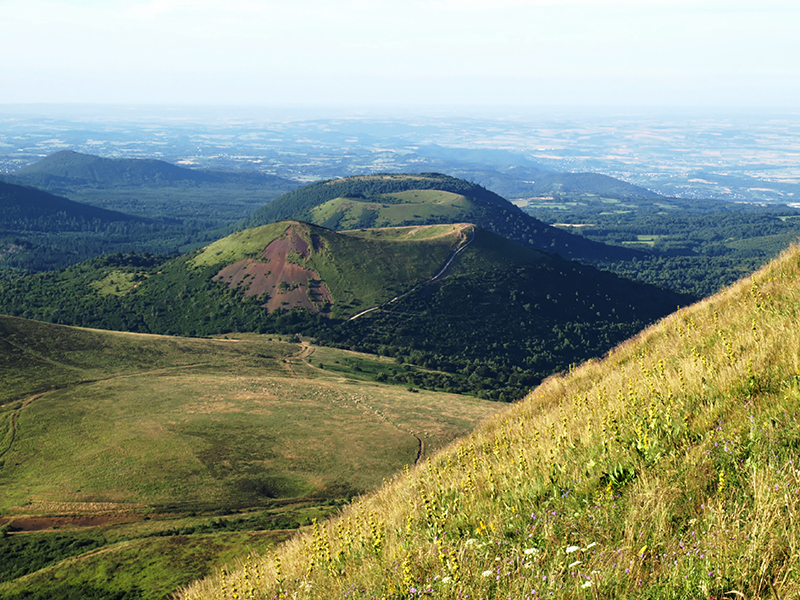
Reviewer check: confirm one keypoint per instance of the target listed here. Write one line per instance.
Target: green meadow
(170, 454)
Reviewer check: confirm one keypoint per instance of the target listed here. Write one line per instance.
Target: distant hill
(40, 231)
(421, 199)
(524, 312)
(512, 175)
(24, 207)
(67, 169)
(515, 182)
(120, 205)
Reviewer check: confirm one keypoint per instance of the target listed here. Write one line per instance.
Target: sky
(404, 53)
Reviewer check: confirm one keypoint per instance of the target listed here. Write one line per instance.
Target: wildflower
(530, 551)
(571, 549)
(577, 562)
(587, 584)
(488, 573)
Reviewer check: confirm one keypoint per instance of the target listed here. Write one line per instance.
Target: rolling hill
(420, 199)
(498, 312)
(666, 470)
(68, 169)
(132, 464)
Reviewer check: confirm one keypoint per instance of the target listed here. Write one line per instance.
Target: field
(118, 437)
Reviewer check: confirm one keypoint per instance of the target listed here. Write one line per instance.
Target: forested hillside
(40, 231)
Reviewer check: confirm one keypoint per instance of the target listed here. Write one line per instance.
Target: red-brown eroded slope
(288, 284)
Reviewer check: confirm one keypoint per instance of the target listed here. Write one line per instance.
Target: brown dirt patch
(65, 522)
(287, 284)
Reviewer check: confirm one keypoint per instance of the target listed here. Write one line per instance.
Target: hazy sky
(402, 52)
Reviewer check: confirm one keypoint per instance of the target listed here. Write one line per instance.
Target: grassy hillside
(133, 463)
(666, 470)
(421, 199)
(183, 407)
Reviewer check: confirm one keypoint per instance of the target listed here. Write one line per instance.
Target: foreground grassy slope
(133, 464)
(666, 470)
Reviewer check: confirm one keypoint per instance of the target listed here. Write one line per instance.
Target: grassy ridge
(37, 357)
(666, 470)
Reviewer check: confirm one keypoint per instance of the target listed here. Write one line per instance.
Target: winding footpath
(457, 251)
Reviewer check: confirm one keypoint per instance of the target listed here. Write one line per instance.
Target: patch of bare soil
(287, 284)
(65, 522)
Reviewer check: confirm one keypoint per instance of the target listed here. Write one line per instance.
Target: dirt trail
(420, 444)
(306, 351)
(457, 251)
(14, 417)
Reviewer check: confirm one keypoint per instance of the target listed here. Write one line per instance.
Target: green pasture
(158, 434)
(228, 423)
